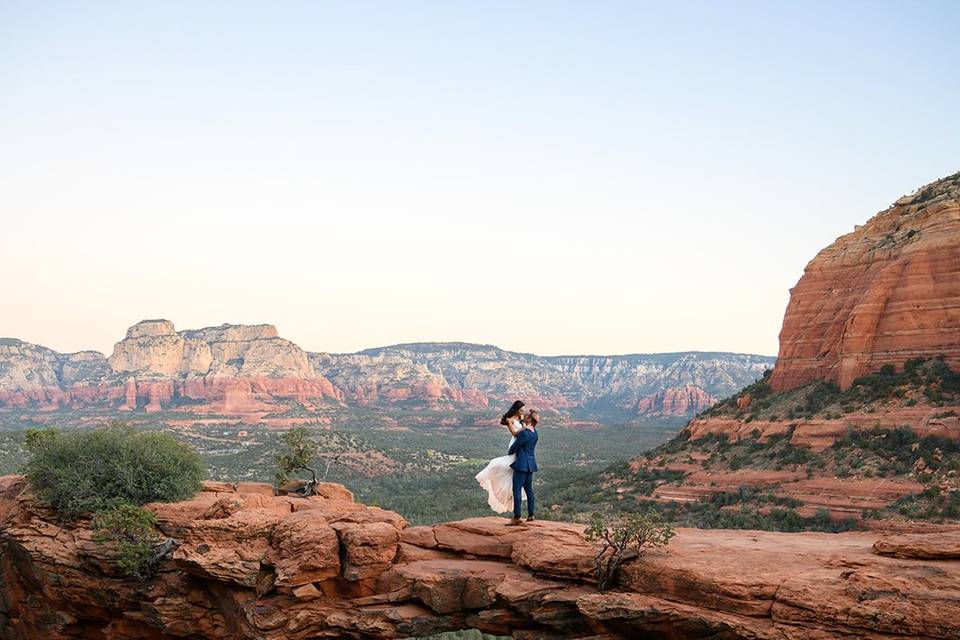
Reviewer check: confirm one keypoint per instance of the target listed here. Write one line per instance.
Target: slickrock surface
(886, 293)
(248, 369)
(932, 546)
(253, 565)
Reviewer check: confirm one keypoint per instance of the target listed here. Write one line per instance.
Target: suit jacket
(524, 447)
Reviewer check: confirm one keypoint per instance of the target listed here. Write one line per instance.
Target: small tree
(132, 529)
(623, 538)
(299, 456)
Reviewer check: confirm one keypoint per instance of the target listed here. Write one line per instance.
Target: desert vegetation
(299, 455)
(110, 473)
(131, 531)
(931, 461)
(82, 471)
(404, 461)
(927, 382)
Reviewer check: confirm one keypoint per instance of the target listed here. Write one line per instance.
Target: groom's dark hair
(512, 411)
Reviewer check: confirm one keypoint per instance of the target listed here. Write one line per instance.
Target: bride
(497, 477)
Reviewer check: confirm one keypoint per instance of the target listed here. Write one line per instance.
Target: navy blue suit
(523, 469)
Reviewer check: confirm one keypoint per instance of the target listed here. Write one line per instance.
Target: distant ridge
(232, 369)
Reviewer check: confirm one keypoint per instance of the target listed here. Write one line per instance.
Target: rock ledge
(251, 564)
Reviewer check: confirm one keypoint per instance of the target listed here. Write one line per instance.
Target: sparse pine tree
(299, 456)
(623, 538)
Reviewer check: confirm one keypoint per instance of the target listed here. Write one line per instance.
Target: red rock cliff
(249, 564)
(886, 293)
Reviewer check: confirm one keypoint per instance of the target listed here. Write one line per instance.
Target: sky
(550, 177)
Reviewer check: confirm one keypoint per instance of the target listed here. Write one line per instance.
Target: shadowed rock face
(253, 565)
(886, 293)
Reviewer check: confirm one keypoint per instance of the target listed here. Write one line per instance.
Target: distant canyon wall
(234, 369)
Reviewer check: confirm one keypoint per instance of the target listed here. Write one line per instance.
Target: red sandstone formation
(230, 369)
(130, 396)
(886, 293)
(249, 564)
(676, 401)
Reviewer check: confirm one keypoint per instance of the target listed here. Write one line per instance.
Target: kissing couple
(507, 477)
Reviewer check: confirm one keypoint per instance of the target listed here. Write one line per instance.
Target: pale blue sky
(647, 176)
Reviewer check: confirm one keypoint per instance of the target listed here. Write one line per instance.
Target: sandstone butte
(230, 369)
(886, 293)
(251, 564)
(883, 294)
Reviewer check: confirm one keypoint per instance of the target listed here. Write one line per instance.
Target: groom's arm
(521, 437)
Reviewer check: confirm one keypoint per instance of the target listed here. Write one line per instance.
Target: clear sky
(553, 177)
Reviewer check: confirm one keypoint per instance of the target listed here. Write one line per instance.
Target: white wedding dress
(497, 478)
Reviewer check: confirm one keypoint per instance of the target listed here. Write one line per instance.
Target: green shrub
(821, 395)
(132, 530)
(790, 454)
(85, 471)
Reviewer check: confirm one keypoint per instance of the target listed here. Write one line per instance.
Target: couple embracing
(507, 478)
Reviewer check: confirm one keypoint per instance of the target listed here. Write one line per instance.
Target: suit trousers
(523, 480)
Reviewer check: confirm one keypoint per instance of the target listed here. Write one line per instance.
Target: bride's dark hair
(511, 412)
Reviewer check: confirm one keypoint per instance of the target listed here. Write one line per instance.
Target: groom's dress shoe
(514, 522)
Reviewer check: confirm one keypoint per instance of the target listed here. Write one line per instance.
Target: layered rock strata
(883, 294)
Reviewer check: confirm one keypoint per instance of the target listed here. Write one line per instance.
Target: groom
(524, 466)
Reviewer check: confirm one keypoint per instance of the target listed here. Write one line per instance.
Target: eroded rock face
(31, 374)
(676, 401)
(886, 293)
(249, 564)
(153, 348)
